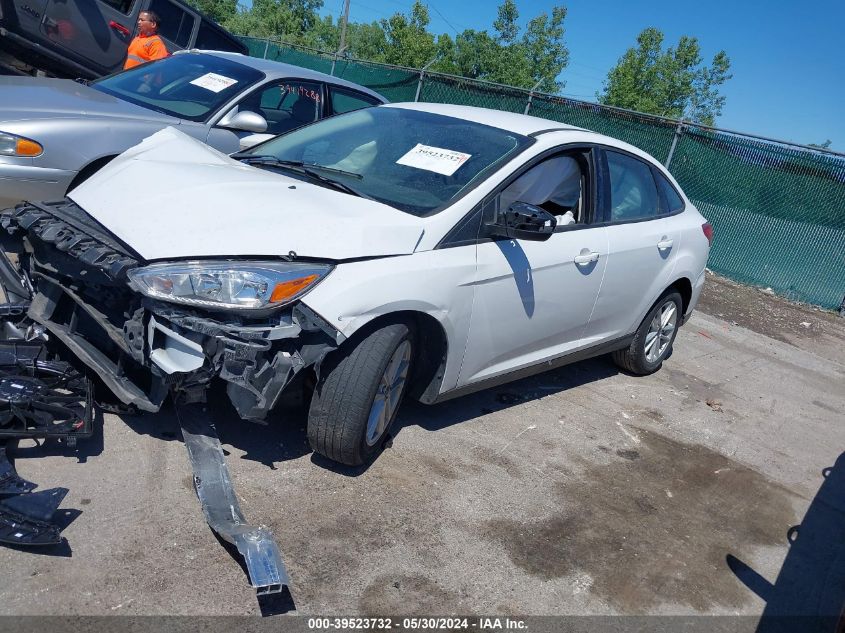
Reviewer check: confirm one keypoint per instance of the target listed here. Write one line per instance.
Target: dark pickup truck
(89, 38)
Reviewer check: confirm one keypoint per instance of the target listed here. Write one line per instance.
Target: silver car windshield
(189, 87)
(417, 162)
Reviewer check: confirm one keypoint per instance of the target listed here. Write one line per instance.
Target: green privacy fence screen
(778, 209)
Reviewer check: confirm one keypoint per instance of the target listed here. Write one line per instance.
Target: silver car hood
(173, 197)
(30, 98)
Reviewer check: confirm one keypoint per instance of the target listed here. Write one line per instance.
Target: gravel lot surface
(580, 491)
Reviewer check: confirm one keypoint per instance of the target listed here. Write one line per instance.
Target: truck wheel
(358, 394)
(653, 340)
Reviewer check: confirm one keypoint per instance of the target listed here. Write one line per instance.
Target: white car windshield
(191, 86)
(415, 161)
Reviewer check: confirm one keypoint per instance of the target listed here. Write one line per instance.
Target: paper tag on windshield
(214, 82)
(436, 159)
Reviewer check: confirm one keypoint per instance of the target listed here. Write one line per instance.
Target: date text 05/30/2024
(420, 623)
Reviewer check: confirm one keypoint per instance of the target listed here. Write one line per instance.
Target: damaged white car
(406, 250)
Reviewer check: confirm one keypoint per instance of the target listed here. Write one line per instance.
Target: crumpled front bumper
(141, 349)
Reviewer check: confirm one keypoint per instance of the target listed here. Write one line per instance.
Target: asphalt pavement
(580, 491)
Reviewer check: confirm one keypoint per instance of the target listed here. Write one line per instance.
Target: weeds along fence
(778, 209)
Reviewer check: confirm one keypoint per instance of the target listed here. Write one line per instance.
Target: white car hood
(171, 196)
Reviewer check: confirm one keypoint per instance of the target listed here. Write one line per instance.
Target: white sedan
(415, 250)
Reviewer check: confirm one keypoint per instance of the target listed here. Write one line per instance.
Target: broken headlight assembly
(228, 285)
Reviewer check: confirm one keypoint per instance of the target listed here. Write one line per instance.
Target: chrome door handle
(665, 244)
(586, 258)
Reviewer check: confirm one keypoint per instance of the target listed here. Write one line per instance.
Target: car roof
(510, 121)
(520, 124)
(273, 70)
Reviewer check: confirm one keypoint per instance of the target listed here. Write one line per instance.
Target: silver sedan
(55, 133)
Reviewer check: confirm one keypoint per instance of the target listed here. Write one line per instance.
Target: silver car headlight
(228, 285)
(12, 145)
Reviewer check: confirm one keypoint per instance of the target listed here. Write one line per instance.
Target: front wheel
(358, 394)
(653, 341)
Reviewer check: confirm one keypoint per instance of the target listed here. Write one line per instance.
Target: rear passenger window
(347, 101)
(670, 201)
(175, 24)
(633, 194)
(211, 39)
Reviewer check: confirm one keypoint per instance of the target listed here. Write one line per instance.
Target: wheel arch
(684, 288)
(89, 170)
(429, 361)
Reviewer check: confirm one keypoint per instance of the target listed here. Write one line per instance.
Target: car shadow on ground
(284, 436)
(440, 416)
(809, 593)
(505, 396)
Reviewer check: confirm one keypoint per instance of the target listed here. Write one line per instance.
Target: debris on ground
(26, 517)
(41, 397)
(714, 404)
(213, 485)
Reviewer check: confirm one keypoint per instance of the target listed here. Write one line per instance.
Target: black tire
(634, 358)
(345, 396)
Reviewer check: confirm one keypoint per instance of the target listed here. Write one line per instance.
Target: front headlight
(225, 285)
(11, 145)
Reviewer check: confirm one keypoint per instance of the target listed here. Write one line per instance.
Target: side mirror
(246, 121)
(523, 221)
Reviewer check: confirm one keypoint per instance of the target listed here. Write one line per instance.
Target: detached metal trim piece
(267, 573)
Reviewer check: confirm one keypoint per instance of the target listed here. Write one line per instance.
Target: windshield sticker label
(214, 82)
(436, 159)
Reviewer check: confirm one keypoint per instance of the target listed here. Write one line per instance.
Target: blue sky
(787, 58)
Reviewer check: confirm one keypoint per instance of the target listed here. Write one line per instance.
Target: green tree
(539, 55)
(825, 145)
(505, 24)
(546, 53)
(289, 20)
(324, 35)
(671, 83)
(217, 10)
(408, 41)
(367, 41)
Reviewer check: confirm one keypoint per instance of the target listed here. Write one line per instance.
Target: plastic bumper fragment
(40, 397)
(267, 573)
(10, 482)
(25, 519)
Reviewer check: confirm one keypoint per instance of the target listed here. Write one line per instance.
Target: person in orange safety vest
(147, 45)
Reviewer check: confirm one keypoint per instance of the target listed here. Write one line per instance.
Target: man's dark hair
(153, 17)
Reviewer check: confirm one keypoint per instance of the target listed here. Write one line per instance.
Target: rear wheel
(652, 343)
(358, 394)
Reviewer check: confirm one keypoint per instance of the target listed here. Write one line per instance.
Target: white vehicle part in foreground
(437, 283)
(172, 352)
(214, 206)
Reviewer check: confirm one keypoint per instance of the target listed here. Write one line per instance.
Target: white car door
(533, 299)
(642, 243)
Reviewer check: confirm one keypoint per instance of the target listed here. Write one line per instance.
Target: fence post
(678, 133)
(531, 96)
(419, 83)
(266, 47)
(335, 56)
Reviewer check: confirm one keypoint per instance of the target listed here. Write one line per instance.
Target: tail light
(708, 232)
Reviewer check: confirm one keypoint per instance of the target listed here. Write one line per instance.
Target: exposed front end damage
(66, 279)
(140, 348)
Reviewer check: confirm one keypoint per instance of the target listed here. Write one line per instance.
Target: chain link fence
(778, 209)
